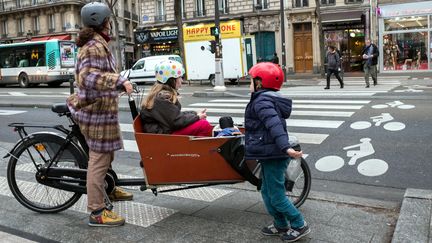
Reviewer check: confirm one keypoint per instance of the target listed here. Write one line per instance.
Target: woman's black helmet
(94, 14)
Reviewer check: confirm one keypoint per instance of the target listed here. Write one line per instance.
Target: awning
(52, 37)
(341, 16)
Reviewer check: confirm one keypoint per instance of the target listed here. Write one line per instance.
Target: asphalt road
(391, 157)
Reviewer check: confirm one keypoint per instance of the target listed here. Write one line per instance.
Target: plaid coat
(95, 104)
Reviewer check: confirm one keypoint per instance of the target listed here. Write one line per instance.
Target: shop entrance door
(303, 53)
(249, 55)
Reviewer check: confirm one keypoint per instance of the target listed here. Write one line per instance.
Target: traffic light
(212, 46)
(214, 31)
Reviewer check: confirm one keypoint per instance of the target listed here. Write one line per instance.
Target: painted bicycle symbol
(394, 104)
(386, 118)
(369, 167)
(410, 89)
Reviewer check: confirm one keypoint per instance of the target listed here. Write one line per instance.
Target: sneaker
(271, 230)
(367, 86)
(327, 88)
(295, 234)
(106, 218)
(119, 194)
(341, 86)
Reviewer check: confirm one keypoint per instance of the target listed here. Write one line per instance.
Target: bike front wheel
(35, 152)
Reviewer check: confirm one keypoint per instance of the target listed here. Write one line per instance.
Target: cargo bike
(46, 170)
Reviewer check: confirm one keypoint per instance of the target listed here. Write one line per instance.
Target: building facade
(345, 25)
(23, 20)
(259, 23)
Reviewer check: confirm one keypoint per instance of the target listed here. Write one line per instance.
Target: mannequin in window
(394, 54)
(388, 57)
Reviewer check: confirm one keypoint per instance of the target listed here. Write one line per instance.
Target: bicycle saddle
(60, 108)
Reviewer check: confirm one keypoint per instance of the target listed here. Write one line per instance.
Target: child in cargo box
(161, 110)
(226, 127)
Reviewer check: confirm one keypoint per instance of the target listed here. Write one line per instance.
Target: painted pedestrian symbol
(369, 167)
(394, 104)
(386, 118)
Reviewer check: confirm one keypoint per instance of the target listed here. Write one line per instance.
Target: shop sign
(156, 36)
(418, 8)
(230, 29)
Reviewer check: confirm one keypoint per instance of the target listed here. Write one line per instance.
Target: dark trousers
(336, 73)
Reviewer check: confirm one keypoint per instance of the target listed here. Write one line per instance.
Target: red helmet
(270, 74)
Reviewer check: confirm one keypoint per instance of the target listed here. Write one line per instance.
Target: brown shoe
(119, 194)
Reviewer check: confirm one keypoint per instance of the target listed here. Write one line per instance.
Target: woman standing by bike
(95, 107)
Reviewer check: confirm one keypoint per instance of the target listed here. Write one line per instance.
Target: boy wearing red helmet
(267, 141)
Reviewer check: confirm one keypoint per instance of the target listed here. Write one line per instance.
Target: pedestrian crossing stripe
(10, 112)
(300, 101)
(306, 106)
(293, 113)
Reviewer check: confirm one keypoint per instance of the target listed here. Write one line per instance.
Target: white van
(144, 69)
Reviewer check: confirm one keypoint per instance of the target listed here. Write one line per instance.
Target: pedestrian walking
(333, 66)
(275, 59)
(266, 140)
(95, 108)
(161, 111)
(370, 55)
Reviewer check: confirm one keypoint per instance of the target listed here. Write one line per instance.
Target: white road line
(290, 122)
(17, 94)
(338, 107)
(303, 101)
(10, 112)
(130, 145)
(293, 113)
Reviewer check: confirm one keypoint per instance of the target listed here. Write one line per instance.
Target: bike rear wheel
(302, 183)
(36, 152)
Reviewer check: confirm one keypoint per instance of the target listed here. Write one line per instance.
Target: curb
(415, 219)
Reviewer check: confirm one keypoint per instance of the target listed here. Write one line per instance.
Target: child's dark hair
(257, 83)
(226, 121)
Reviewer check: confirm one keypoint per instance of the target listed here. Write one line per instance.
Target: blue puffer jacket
(266, 135)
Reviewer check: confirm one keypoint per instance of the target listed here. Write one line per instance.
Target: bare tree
(320, 37)
(116, 35)
(178, 16)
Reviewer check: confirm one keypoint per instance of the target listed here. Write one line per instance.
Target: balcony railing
(51, 30)
(20, 34)
(199, 13)
(160, 18)
(36, 32)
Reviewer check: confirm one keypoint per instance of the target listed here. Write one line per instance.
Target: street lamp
(258, 7)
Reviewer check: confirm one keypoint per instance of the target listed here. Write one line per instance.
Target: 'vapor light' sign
(155, 36)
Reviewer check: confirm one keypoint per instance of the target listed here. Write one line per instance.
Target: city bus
(31, 63)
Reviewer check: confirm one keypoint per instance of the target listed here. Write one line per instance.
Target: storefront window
(350, 43)
(406, 23)
(405, 51)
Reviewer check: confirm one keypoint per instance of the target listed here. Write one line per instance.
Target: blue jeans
(273, 193)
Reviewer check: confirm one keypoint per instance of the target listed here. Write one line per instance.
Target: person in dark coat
(333, 66)
(161, 110)
(370, 54)
(266, 140)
